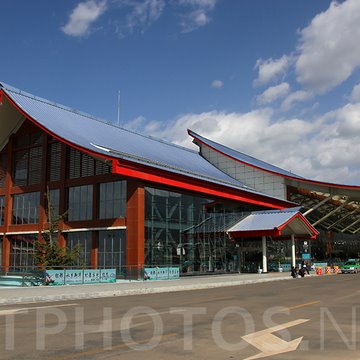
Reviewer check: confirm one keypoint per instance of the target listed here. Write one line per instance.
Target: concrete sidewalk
(124, 288)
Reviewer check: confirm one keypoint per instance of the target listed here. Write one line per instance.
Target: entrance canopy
(278, 224)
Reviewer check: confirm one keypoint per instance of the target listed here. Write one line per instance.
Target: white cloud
(83, 16)
(271, 69)
(217, 84)
(348, 119)
(205, 4)
(329, 48)
(199, 16)
(326, 148)
(144, 13)
(355, 94)
(295, 97)
(254, 132)
(273, 93)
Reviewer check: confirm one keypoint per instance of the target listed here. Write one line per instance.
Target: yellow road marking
(303, 305)
(205, 301)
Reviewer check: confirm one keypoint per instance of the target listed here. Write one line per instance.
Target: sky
(276, 79)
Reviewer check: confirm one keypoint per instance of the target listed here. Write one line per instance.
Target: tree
(47, 250)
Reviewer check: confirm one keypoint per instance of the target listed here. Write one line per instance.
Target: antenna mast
(118, 109)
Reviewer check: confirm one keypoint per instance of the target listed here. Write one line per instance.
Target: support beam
(351, 225)
(264, 255)
(317, 206)
(342, 219)
(331, 213)
(293, 259)
(356, 231)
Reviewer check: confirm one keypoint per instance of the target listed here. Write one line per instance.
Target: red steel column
(63, 194)
(94, 250)
(135, 228)
(43, 220)
(8, 203)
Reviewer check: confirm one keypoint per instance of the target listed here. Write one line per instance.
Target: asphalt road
(311, 318)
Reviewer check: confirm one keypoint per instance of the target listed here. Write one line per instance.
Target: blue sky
(276, 79)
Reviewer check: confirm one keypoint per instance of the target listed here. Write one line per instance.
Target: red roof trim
(167, 178)
(354, 187)
(174, 180)
(304, 220)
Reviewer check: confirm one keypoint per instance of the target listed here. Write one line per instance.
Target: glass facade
(112, 249)
(26, 208)
(80, 203)
(21, 252)
(84, 239)
(112, 202)
(189, 232)
(167, 216)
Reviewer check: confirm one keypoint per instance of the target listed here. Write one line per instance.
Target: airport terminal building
(132, 200)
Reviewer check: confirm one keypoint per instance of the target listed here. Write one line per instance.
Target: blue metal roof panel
(264, 220)
(103, 138)
(243, 157)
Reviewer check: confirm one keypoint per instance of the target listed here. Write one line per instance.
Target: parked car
(351, 266)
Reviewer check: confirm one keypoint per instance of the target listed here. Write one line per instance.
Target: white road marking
(270, 344)
(26, 310)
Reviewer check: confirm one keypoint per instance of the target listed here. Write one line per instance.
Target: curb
(131, 292)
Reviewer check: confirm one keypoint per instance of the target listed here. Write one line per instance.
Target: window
(111, 253)
(55, 161)
(80, 203)
(84, 239)
(26, 208)
(112, 200)
(2, 210)
(27, 160)
(21, 167)
(102, 167)
(82, 165)
(21, 252)
(54, 203)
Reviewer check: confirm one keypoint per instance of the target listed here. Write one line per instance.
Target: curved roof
(259, 164)
(327, 205)
(239, 156)
(104, 139)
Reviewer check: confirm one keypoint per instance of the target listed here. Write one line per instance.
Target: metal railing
(57, 275)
